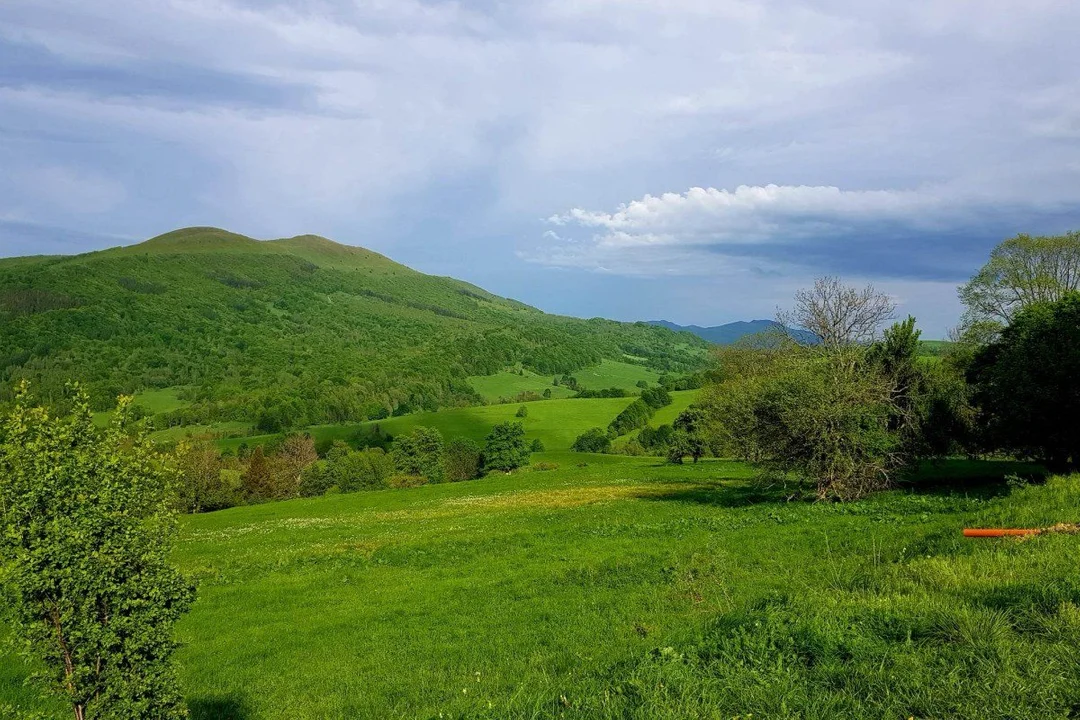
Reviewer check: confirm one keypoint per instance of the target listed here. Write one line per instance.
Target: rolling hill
(286, 332)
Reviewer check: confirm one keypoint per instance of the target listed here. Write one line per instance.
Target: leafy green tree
(419, 453)
(367, 469)
(316, 479)
(86, 531)
(595, 440)
(1026, 386)
(679, 447)
(655, 441)
(547, 393)
(461, 460)
(505, 448)
(1022, 271)
(656, 397)
(930, 408)
(688, 433)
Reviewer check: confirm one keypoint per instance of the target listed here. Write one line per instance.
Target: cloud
(766, 229)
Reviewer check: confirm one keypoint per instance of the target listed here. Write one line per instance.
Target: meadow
(616, 587)
(556, 423)
(606, 374)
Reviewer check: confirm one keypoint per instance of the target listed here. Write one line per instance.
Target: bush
(592, 441)
(461, 460)
(505, 448)
(522, 412)
(85, 540)
(828, 424)
(399, 482)
(536, 446)
(544, 466)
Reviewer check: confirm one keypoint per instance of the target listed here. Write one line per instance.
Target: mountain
(732, 332)
(287, 332)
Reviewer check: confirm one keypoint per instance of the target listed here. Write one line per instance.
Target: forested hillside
(285, 332)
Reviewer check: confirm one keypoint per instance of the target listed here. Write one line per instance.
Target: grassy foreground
(629, 589)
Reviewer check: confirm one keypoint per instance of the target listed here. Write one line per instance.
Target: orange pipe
(999, 532)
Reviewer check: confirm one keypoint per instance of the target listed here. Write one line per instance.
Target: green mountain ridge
(285, 332)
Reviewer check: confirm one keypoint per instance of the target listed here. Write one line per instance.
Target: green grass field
(509, 384)
(557, 423)
(608, 374)
(630, 589)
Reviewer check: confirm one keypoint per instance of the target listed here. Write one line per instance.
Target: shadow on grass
(719, 494)
(228, 707)
(983, 478)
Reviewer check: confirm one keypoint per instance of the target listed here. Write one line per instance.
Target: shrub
(544, 466)
(536, 446)
(505, 448)
(828, 424)
(399, 482)
(522, 412)
(85, 540)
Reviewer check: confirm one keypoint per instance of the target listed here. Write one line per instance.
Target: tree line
(855, 407)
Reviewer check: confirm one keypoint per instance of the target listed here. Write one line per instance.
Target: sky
(691, 160)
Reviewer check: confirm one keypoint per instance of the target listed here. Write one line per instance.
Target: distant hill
(731, 332)
(285, 332)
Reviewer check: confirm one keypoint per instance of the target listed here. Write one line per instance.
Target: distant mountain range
(732, 332)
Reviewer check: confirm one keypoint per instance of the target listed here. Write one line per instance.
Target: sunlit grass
(619, 587)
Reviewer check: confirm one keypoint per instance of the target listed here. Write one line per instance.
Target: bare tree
(1022, 270)
(838, 315)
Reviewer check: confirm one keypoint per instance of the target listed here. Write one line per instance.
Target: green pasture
(557, 423)
(623, 588)
(608, 374)
(509, 384)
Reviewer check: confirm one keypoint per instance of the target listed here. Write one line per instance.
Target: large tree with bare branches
(839, 315)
